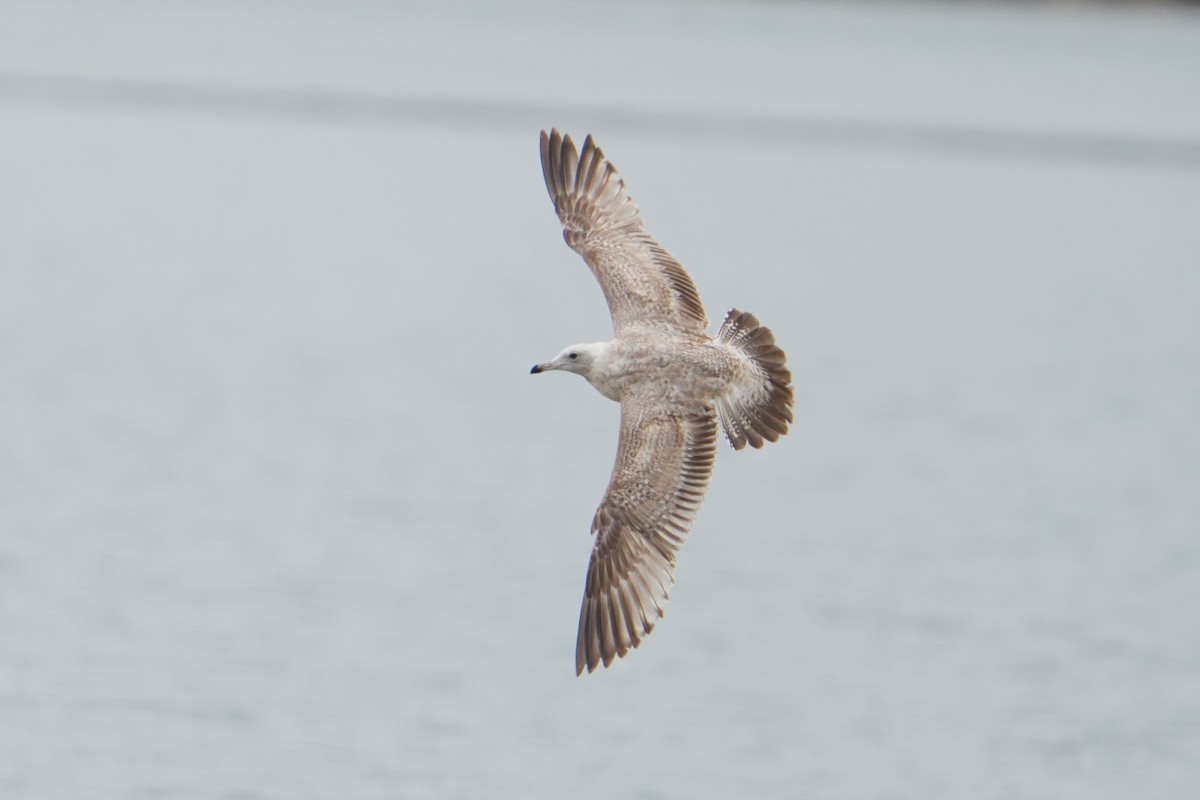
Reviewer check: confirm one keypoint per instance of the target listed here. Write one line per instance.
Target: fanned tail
(763, 411)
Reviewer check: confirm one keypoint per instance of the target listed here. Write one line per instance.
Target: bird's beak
(537, 368)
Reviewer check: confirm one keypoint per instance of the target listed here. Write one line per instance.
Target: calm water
(283, 515)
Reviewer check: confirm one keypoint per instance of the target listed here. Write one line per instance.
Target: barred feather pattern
(763, 413)
(642, 282)
(664, 462)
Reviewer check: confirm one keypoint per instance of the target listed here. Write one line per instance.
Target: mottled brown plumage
(674, 383)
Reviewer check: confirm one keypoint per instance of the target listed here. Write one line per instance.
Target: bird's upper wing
(642, 282)
(664, 461)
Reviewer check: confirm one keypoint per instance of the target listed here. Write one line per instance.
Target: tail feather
(762, 413)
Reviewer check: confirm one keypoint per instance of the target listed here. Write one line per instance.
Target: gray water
(283, 515)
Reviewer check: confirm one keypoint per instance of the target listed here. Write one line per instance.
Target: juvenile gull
(673, 381)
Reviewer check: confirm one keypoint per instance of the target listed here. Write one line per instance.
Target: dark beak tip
(535, 369)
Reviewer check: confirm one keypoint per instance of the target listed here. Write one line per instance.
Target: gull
(674, 383)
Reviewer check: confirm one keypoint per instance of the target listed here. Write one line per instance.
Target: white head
(577, 358)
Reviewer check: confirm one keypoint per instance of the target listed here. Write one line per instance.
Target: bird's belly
(685, 378)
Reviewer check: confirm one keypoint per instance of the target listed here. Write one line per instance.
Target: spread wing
(663, 465)
(642, 282)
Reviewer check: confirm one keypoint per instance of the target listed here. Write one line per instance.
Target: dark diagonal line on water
(346, 106)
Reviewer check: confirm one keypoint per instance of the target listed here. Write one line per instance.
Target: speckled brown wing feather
(643, 283)
(663, 465)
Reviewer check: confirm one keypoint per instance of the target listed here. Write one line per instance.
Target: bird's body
(681, 371)
(673, 381)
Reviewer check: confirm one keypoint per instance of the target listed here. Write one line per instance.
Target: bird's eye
(572, 356)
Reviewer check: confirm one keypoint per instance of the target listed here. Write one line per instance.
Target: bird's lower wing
(663, 466)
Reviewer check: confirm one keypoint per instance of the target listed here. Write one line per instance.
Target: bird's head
(577, 358)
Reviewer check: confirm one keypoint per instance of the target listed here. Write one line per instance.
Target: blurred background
(283, 514)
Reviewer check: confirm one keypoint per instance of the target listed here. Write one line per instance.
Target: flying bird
(674, 383)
